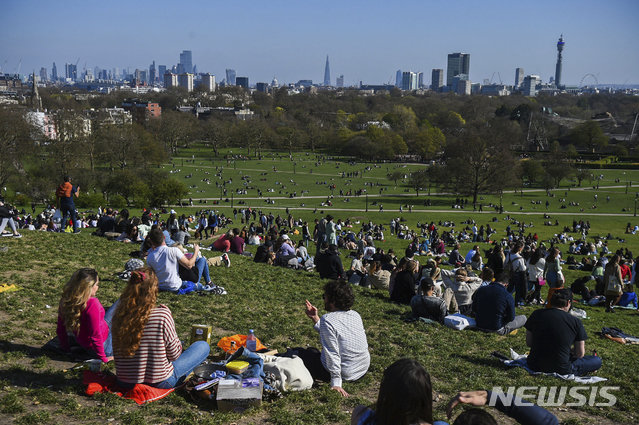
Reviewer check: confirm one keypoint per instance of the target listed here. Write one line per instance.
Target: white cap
(285, 237)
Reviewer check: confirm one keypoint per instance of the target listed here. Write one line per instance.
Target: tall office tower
(463, 87)
(170, 80)
(340, 81)
(398, 78)
(458, 63)
(161, 72)
(230, 77)
(261, 87)
(327, 74)
(43, 74)
(186, 61)
(242, 82)
(185, 80)
(54, 72)
(71, 71)
(409, 80)
(529, 86)
(560, 49)
(519, 77)
(437, 79)
(152, 74)
(208, 82)
(420, 80)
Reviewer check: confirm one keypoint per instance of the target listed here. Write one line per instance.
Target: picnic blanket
(519, 360)
(98, 382)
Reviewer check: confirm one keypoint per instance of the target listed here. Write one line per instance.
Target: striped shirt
(159, 346)
(344, 346)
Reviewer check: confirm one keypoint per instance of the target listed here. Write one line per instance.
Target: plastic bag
(240, 341)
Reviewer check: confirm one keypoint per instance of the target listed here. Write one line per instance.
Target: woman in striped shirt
(145, 344)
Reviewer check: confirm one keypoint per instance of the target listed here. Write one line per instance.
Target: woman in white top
(535, 265)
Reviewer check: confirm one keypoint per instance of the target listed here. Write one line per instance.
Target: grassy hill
(34, 388)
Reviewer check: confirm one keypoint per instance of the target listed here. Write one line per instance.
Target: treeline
(118, 162)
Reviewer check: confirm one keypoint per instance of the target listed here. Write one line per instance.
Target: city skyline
(366, 41)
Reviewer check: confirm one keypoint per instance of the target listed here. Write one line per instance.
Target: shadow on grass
(484, 361)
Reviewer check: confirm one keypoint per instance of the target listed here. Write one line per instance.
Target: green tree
(532, 170)
(419, 180)
(589, 135)
(15, 143)
(396, 175)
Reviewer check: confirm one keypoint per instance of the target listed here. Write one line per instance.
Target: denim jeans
(202, 270)
(108, 317)
(188, 360)
(12, 224)
(68, 210)
(585, 365)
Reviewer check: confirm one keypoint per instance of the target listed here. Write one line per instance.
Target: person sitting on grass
(628, 297)
(557, 339)
(146, 346)
(494, 308)
(425, 304)
(166, 262)
(404, 287)
(82, 317)
(223, 243)
(463, 286)
(406, 398)
(344, 355)
(328, 263)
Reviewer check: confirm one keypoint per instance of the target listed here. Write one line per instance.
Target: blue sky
(365, 40)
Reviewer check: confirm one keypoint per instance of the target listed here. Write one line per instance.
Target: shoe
(226, 259)
(76, 231)
(218, 290)
(17, 236)
(6, 235)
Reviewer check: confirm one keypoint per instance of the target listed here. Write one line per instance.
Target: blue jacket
(493, 306)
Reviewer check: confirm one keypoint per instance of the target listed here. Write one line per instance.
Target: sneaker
(218, 290)
(17, 236)
(226, 259)
(76, 231)
(6, 235)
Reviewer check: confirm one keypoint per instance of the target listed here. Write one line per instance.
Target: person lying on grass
(82, 317)
(406, 397)
(344, 353)
(145, 344)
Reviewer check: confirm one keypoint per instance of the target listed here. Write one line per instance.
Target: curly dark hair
(340, 294)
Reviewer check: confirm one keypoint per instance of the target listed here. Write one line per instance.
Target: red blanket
(98, 382)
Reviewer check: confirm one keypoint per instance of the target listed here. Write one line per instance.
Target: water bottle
(251, 341)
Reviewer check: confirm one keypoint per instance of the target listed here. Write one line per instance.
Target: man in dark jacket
(329, 265)
(425, 304)
(6, 217)
(494, 308)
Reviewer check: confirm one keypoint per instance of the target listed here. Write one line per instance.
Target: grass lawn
(34, 388)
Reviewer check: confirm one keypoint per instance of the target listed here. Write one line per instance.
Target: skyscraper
(186, 61)
(437, 79)
(230, 77)
(242, 82)
(327, 74)
(152, 74)
(43, 74)
(161, 72)
(398, 78)
(560, 49)
(409, 80)
(420, 80)
(529, 86)
(519, 77)
(340, 81)
(458, 63)
(71, 71)
(54, 72)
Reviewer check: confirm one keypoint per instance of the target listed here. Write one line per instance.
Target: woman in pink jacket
(82, 317)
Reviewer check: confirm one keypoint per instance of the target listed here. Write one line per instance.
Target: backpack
(508, 268)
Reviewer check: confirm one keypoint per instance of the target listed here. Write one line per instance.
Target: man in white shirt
(165, 261)
(344, 353)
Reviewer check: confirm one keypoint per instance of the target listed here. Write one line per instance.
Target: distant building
(437, 79)
(54, 72)
(560, 49)
(519, 77)
(170, 80)
(463, 87)
(340, 81)
(186, 61)
(161, 72)
(398, 78)
(71, 71)
(242, 82)
(152, 74)
(142, 111)
(495, 90)
(208, 82)
(304, 83)
(186, 80)
(529, 86)
(230, 77)
(409, 80)
(327, 73)
(458, 63)
(44, 122)
(43, 74)
(262, 87)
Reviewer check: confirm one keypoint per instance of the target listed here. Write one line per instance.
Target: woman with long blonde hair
(146, 346)
(81, 315)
